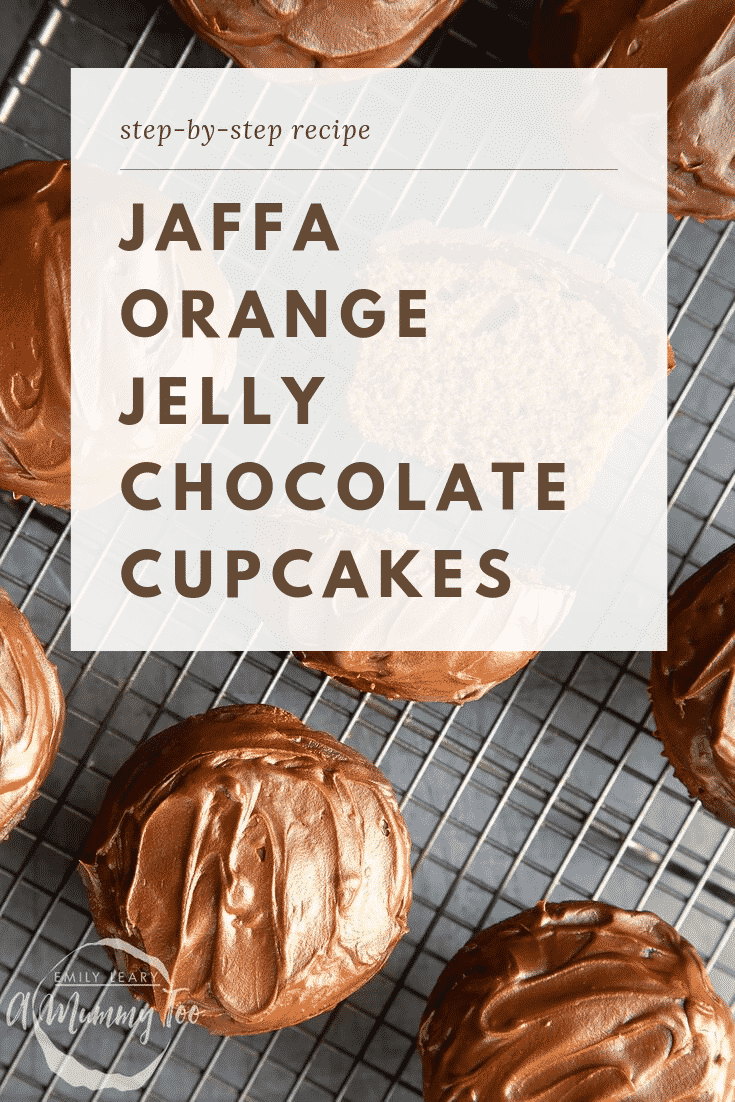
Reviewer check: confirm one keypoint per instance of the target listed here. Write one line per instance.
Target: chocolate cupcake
(695, 41)
(32, 714)
(693, 686)
(572, 1002)
(35, 264)
(452, 677)
(536, 323)
(36, 396)
(264, 865)
(369, 34)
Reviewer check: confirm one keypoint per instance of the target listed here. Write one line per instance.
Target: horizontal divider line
(276, 168)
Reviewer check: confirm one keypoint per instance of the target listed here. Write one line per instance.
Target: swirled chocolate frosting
(693, 686)
(265, 865)
(31, 714)
(368, 34)
(35, 263)
(453, 676)
(695, 41)
(575, 1002)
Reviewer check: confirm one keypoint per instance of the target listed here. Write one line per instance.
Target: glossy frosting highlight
(572, 1002)
(695, 41)
(447, 676)
(265, 864)
(693, 686)
(315, 33)
(35, 263)
(32, 714)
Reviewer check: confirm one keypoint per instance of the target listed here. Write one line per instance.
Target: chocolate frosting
(35, 224)
(693, 686)
(31, 715)
(511, 303)
(695, 41)
(670, 358)
(571, 1002)
(263, 863)
(453, 676)
(323, 33)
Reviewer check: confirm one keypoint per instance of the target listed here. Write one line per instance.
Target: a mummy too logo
(83, 1015)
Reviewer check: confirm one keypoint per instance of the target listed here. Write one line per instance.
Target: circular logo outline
(64, 1064)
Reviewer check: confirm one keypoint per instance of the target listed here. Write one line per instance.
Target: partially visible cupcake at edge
(575, 1002)
(694, 40)
(32, 712)
(369, 34)
(692, 686)
(35, 331)
(37, 395)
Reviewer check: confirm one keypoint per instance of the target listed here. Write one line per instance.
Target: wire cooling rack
(552, 785)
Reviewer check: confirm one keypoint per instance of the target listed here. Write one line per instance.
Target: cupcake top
(577, 1001)
(694, 40)
(447, 676)
(32, 714)
(263, 864)
(309, 33)
(693, 686)
(35, 365)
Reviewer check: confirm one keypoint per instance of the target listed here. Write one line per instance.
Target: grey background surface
(18, 17)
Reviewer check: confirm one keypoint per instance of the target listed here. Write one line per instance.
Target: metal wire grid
(550, 786)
